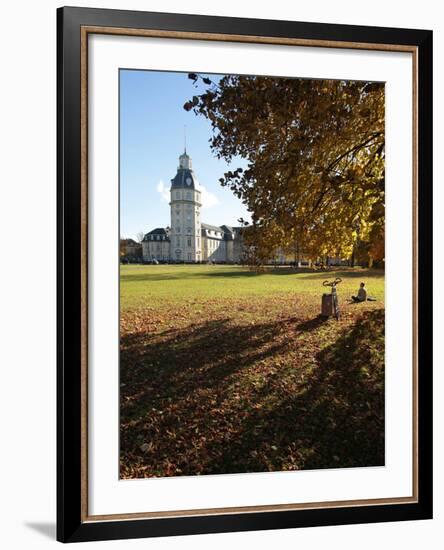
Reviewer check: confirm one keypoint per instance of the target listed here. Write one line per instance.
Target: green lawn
(142, 284)
(224, 370)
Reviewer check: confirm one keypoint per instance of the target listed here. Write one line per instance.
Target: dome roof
(184, 179)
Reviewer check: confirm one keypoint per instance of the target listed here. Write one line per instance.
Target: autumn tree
(122, 248)
(315, 158)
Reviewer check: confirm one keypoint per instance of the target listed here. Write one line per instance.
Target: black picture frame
(71, 523)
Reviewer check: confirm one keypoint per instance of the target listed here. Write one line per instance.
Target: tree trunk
(352, 259)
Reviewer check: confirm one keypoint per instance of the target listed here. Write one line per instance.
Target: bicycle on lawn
(334, 298)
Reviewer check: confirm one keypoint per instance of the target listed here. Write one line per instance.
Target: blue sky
(152, 121)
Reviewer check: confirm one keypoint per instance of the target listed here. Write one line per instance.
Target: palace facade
(187, 238)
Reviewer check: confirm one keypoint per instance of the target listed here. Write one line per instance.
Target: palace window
(189, 242)
(189, 196)
(178, 241)
(177, 194)
(177, 229)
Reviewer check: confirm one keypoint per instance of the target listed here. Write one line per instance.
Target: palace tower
(185, 213)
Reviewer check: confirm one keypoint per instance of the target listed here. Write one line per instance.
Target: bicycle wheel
(336, 306)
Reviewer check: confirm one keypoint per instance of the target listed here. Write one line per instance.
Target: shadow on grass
(218, 398)
(335, 420)
(242, 273)
(352, 273)
(186, 275)
(312, 324)
(202, 356)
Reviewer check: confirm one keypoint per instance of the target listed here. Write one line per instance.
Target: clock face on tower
(188, 181)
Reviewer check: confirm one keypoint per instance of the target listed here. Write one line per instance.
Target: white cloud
(164, 191)
(209, 199)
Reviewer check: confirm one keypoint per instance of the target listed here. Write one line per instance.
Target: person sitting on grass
(362, 295)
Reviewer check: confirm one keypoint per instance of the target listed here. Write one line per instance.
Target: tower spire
(185, 138)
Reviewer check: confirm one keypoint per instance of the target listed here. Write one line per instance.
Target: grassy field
(224, 370)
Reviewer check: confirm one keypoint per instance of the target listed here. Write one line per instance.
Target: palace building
(187, 239)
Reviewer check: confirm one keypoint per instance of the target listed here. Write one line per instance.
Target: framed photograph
(244, 274)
